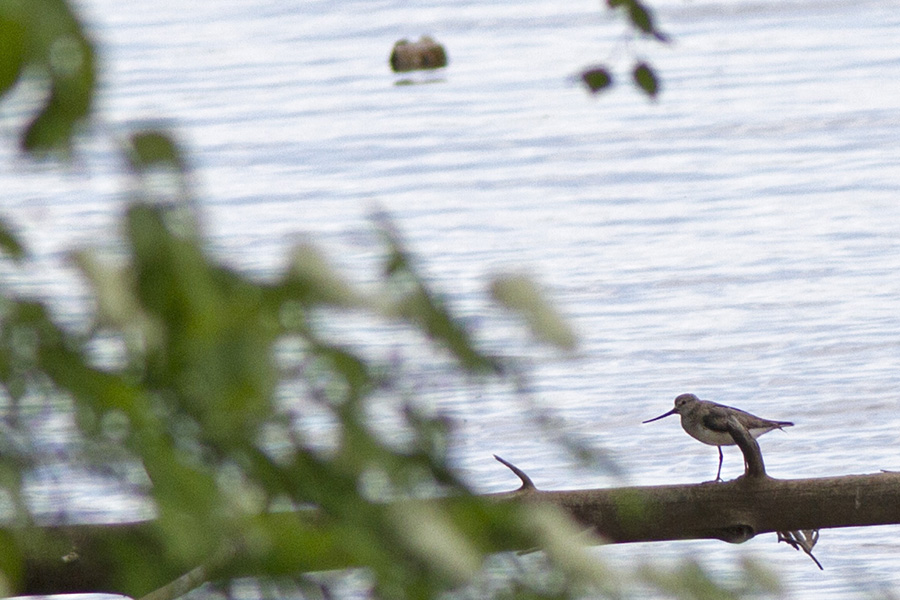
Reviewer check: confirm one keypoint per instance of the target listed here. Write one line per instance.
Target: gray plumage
(706, 421)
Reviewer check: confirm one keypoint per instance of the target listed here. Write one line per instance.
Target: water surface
(739, 238)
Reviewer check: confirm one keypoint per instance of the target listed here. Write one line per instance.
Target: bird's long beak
(671, 412)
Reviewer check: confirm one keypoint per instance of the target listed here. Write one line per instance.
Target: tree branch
(733, 511)
(753, 460)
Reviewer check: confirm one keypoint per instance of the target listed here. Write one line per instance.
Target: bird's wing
(716, 419)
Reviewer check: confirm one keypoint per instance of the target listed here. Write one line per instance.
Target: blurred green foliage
(195, 402)
(43, 41)
(196, 397)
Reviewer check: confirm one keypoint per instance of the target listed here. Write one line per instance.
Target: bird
(707, 422)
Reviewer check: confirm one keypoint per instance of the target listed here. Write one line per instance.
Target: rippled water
(739, 238)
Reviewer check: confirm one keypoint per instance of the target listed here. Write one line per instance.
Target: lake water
(739, 238)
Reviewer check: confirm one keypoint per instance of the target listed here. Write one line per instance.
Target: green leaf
(312, 279)
(430, 534)
(10, 244)
(429, 313)
(46, 38)
(12, 565)
(522, 295)
(70, 65)
(52, 129)
(154, 148)
(596, 79)
(641, 17)
(646, 79)
(425, 309)
(12, 51)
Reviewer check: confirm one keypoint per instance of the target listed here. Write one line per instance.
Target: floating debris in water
(425, 54)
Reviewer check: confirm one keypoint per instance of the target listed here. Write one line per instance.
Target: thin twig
(527, 484)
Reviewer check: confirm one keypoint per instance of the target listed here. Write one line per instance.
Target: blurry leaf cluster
(641, 23)
(194, 401)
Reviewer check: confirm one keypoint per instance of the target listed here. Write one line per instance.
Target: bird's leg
(719, 472)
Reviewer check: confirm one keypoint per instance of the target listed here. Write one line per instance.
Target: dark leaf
(596, 79)
(640, 17)
(645, 78)
(9, 243)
